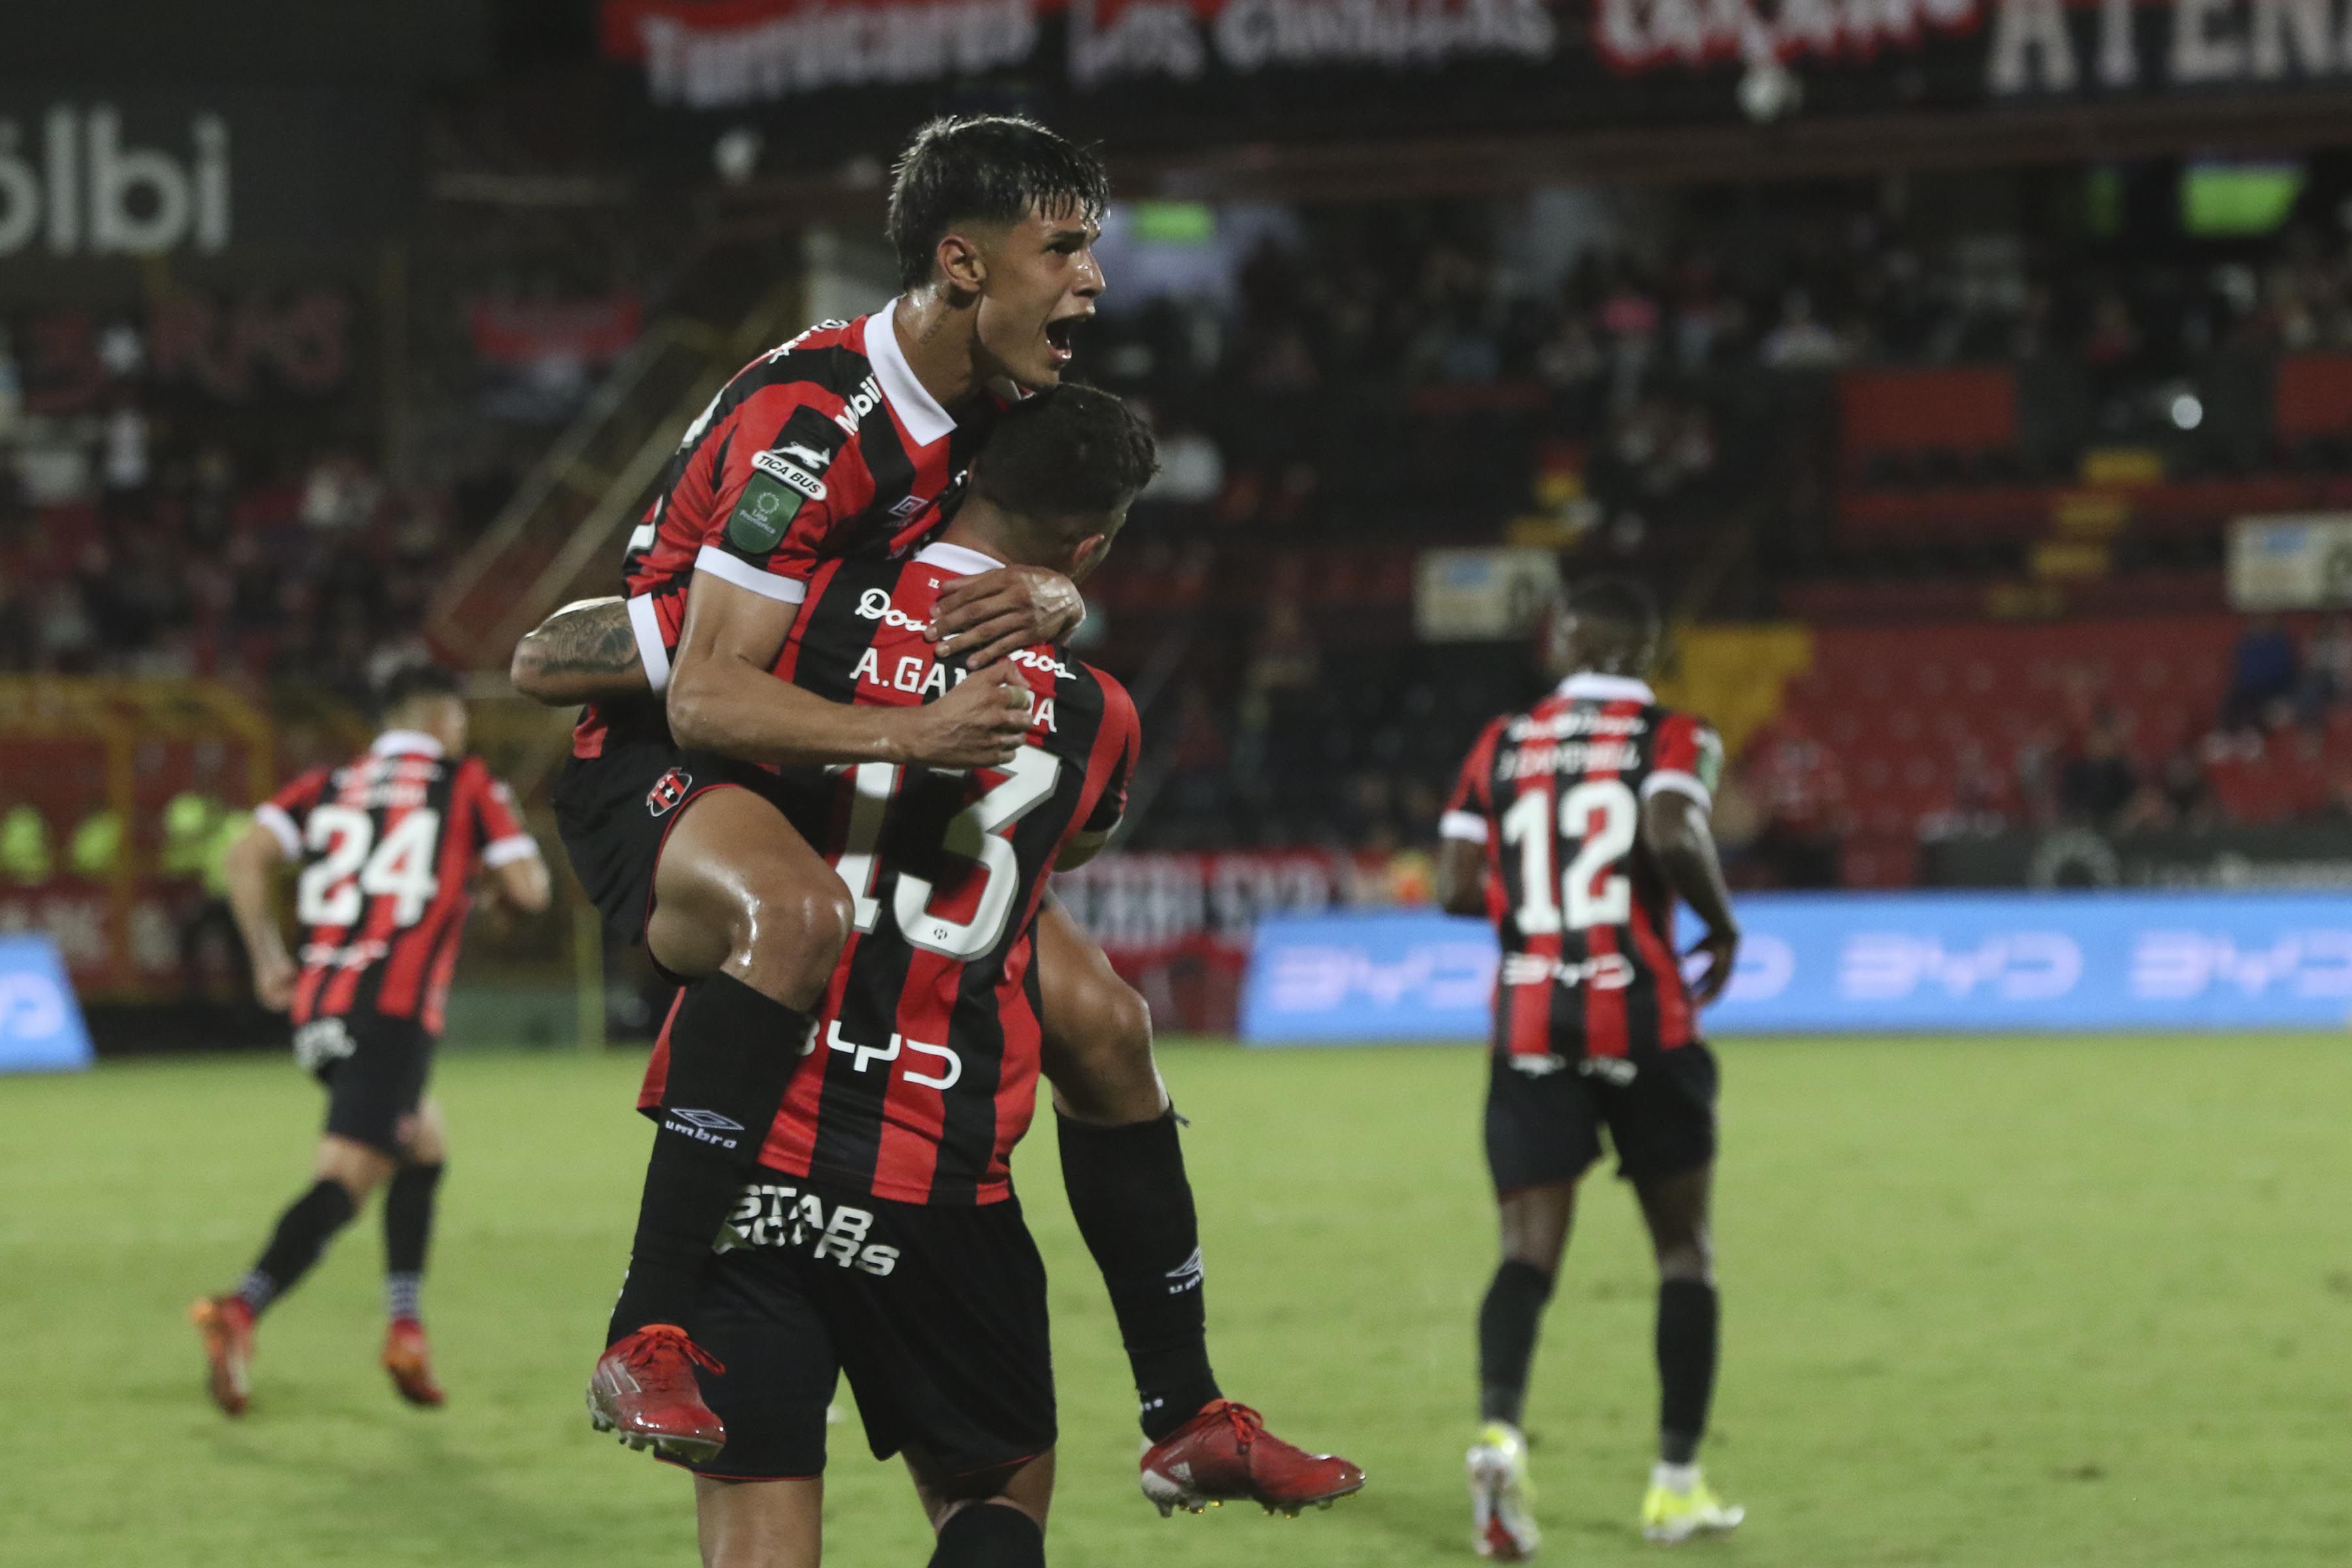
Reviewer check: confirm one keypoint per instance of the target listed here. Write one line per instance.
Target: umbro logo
(1187, 1275)
(909, 507)
(702, 1126)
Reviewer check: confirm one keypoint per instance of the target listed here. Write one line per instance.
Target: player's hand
(1721, 949)
(1000, 611)
(273, 980)
(979, 724)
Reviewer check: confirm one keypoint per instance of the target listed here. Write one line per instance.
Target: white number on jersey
(400, 869)
(975, 832)
(1599, 816)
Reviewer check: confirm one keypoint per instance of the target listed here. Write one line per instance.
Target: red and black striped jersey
(826, 447)
(388, 843)
(922, 1072)
(1586, 918)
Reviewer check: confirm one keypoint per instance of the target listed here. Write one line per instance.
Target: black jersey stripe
(837, 635)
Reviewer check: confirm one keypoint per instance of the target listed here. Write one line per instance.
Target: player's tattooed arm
(987, 616)
(1674, 826)
(583, 652)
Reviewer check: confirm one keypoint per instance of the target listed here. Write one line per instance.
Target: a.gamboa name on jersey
(922, 676)
(1603, 971)
(770, 1213)
(1575, 722)
(1570, 757)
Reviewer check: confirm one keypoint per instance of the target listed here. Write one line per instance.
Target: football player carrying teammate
(1574, 827)
(877, 1233)
(849, 442)
(388, 846)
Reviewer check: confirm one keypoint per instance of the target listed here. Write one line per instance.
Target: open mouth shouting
(1059, 334)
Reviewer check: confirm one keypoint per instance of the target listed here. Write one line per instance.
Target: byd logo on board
(2179, 965)
(2016, 966)
(71, 184)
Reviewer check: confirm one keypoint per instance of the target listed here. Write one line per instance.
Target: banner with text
(1146, 70)
(1859, 963)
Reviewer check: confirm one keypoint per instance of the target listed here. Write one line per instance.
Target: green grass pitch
(2010, 1303)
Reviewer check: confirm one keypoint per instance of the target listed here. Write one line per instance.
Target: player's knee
(1126, 1021)
(1103, 1070)
(789, 933)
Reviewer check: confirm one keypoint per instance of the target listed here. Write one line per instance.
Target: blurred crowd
(146, 532)
(1396, 377)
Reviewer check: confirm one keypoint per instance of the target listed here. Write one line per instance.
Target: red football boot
(410, 1362)
(226, 1322)
(645, 1390)
(1225, 1454)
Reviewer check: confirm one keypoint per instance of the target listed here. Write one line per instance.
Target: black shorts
(375, 1069)
(936, 1313)
(1545, 1128)
(613, 811)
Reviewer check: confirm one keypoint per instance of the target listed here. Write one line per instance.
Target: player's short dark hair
(1071, 451)
(1616, 623)
(407, 682)
(988, 168)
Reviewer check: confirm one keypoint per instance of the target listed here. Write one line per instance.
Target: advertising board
(1832, 964)
(41, 1025)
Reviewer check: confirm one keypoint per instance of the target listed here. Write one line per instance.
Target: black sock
(407, 1237)
(1134, 1205)
(990, 1535)
(1688, 1319)
(303, 1231)
(1507, 1320)
(732, 1052)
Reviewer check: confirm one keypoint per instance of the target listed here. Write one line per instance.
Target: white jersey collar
(405, 742)
(1591, 686)
(957, 558)
(917, 410)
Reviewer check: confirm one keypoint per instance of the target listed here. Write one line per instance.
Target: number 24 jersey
(1586, 920)
(388, 845)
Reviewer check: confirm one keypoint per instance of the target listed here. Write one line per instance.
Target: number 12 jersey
(1586, 920)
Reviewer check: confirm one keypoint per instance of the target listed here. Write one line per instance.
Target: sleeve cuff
(743, 574)
(272, 816)
(1681, 784)
(652, 651)
(1467, 827)
(506, 851)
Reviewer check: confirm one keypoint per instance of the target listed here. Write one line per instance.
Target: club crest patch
(668, 790)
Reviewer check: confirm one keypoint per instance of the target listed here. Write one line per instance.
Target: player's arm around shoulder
(725, 696)
(1677, 804)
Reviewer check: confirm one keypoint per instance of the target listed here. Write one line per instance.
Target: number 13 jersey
(1586, 920)
(922, 1072)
